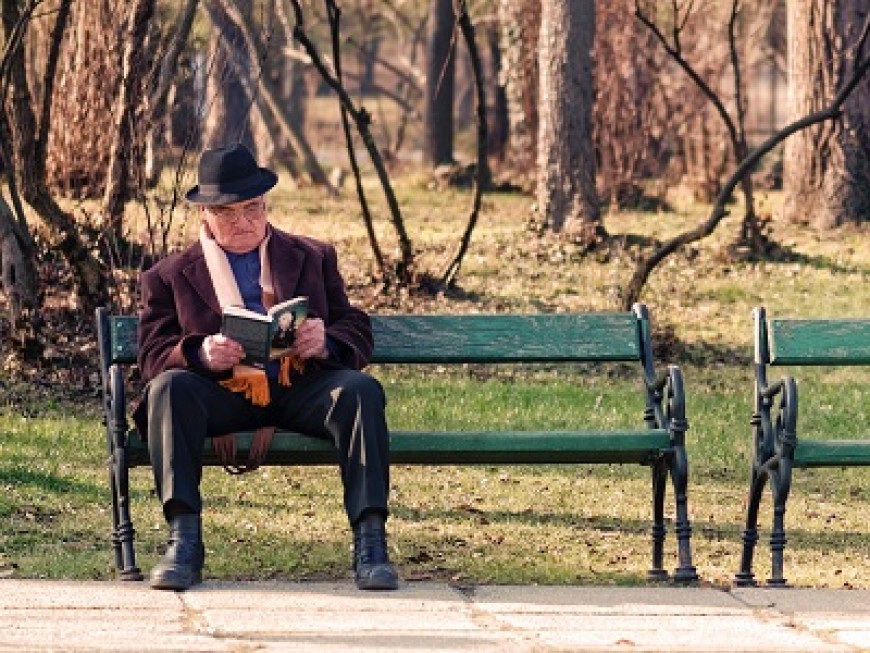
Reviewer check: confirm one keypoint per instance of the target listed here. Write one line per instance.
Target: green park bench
(657, 441)
(778, 450)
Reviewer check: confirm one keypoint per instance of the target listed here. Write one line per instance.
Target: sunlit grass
(550, 524)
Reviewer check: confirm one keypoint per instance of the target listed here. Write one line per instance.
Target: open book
(265, 337)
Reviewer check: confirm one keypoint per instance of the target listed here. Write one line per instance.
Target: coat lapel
(196, 273)
(286, 261)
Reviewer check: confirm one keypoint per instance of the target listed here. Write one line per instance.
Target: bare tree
(567, 197)
(481, 179)
(404, 272)
(17, 248)
(165, 80)
(229, 89)
(84, 93)
(751, 234)
(260, 88)
(28, 138)
(832, 111)
(827, 167)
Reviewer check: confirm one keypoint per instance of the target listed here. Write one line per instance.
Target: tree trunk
(497, 112)
(567, 198)
(28, 167)
(440, 82)
(520, 24)
(228, 101)
(17, 265)
(129, 97)
(171, 75)
(826, 171)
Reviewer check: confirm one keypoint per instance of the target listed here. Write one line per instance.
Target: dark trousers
(343, 406)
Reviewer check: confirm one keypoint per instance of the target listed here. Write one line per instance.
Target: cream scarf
(250, 381)
(221, 273)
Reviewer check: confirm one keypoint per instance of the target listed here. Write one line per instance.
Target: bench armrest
(666, 404)
(774, 424)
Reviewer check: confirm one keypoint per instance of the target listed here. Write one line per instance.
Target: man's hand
(310, 340)
(219, 353)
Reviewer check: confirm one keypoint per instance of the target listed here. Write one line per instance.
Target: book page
(252, 334)
(287, 317)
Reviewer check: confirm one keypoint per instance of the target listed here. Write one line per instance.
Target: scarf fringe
(288, 362)
(254, 384)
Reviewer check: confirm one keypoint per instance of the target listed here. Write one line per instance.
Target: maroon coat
(180, 308)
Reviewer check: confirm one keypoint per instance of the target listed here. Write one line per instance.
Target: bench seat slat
(832, 453)
(820, 342)
(437, 447)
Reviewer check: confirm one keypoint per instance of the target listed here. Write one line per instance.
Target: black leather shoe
(181, 565)
(371, 564)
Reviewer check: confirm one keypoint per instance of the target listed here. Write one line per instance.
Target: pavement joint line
(770, 613)
(193, 620)
(490, 622)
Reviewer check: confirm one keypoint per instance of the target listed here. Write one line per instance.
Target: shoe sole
(175, 585)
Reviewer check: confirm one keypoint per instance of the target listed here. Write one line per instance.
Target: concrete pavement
(40, 615)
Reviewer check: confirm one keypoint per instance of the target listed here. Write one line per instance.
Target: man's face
(239, 227)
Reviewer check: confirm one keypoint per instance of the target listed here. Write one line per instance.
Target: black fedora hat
(228, 175)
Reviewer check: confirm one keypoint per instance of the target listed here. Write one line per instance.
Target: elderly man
(196, 385)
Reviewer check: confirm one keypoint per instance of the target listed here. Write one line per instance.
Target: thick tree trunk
(440, 82)
(826, 173)
(567, 198)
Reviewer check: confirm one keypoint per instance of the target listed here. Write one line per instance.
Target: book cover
(265, 337)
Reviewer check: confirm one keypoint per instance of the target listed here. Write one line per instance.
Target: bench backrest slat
(503, 338)
(470, 338)
(819, 342)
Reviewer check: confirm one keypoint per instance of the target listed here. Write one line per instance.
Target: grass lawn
(572, 524)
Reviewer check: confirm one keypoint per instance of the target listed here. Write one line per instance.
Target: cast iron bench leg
(745, 577)
(686, 572)
(116, 540)
(659, 485)
(780, 484)
(124, 532)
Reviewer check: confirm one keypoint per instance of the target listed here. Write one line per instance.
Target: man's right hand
(219, 353)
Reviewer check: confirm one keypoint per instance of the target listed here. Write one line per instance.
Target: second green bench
(777, 447)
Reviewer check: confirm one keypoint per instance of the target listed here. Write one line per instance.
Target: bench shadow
(49, 483)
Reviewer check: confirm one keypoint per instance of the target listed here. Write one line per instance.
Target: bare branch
(481, 178)
(719, 210)
(334, 15)
(675, 52)
(361, 119)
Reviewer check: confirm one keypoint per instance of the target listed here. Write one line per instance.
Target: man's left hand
(310, 340)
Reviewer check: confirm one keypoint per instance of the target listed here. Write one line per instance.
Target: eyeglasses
(232, 213)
